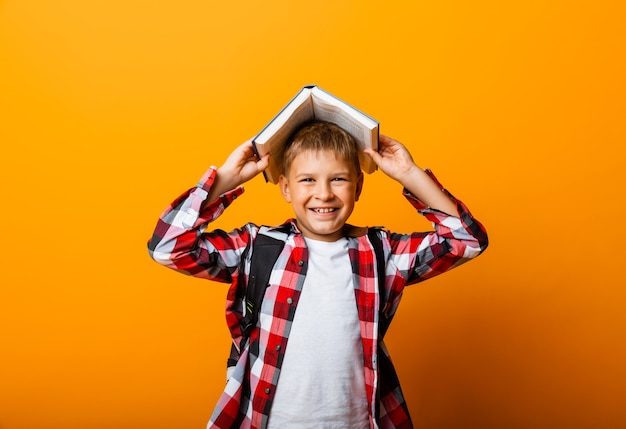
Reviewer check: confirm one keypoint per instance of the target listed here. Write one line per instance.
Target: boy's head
(321, 178)
(318, 136)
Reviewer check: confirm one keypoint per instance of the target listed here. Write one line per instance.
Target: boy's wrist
(409, 176)
(224, 180)
(221, 184)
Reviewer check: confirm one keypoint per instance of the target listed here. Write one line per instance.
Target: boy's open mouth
(324, 210)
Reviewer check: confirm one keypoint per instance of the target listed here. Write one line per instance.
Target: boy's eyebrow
(337, 173)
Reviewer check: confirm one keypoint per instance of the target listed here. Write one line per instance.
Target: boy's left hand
(393, 158)
(396, 162)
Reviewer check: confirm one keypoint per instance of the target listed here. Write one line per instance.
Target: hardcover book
(313, 103)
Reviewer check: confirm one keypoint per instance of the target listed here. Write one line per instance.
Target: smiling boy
(316, 358)
(320, 182)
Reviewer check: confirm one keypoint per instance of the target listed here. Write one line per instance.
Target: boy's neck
(348, 230)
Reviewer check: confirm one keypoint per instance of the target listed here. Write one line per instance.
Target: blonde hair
(319, 136)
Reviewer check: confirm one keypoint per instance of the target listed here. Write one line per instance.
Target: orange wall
(111, 108)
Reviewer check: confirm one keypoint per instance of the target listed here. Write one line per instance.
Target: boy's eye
(337, 179)
(306, 180)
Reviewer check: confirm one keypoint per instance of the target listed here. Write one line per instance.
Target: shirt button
(301, 263)
(268, 390)
(289, 301)
(278, 348)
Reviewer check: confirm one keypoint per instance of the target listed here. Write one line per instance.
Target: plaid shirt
(180, 242)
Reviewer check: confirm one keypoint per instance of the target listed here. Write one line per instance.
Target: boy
(324, 365)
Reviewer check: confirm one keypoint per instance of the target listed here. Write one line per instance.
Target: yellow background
(110, 109)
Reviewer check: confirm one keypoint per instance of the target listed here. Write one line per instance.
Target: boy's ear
(359, 187)
(283, 183)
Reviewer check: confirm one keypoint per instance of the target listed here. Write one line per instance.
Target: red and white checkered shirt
(180, 242)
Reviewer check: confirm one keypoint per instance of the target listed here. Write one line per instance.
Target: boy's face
(322, 190)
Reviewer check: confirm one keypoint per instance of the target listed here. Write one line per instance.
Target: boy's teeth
(324, 210)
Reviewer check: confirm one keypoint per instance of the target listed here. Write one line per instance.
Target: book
(313, 103)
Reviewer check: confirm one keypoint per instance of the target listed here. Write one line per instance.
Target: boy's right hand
(240, 166)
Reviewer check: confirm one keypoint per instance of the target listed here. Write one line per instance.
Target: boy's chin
(322, 234)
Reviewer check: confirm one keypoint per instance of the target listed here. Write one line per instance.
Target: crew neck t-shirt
(321, 383)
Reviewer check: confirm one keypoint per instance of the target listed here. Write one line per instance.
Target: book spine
(258, 157)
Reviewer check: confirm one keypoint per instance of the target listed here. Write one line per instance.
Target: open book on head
(313, 103)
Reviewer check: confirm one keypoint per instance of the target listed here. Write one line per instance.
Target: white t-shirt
(321, 383)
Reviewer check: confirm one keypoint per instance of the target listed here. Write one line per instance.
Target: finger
(247, 148)
(382, 141)
(374, 155)
(385, 143)
(263, 162)
(386, 140)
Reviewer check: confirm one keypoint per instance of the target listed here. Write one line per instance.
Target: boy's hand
(396, 162)
(393, 159)
(240, 166)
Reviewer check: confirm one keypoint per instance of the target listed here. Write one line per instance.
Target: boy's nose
(324, 191)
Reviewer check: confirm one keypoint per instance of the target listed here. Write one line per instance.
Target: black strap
(265, 252)
(377, 244)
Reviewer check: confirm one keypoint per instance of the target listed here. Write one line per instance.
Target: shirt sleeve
(454, 241)
(180, 242)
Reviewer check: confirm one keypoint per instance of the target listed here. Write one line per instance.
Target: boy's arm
(458, 236)
(179, 241)
(396, 162)
(455, 240)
